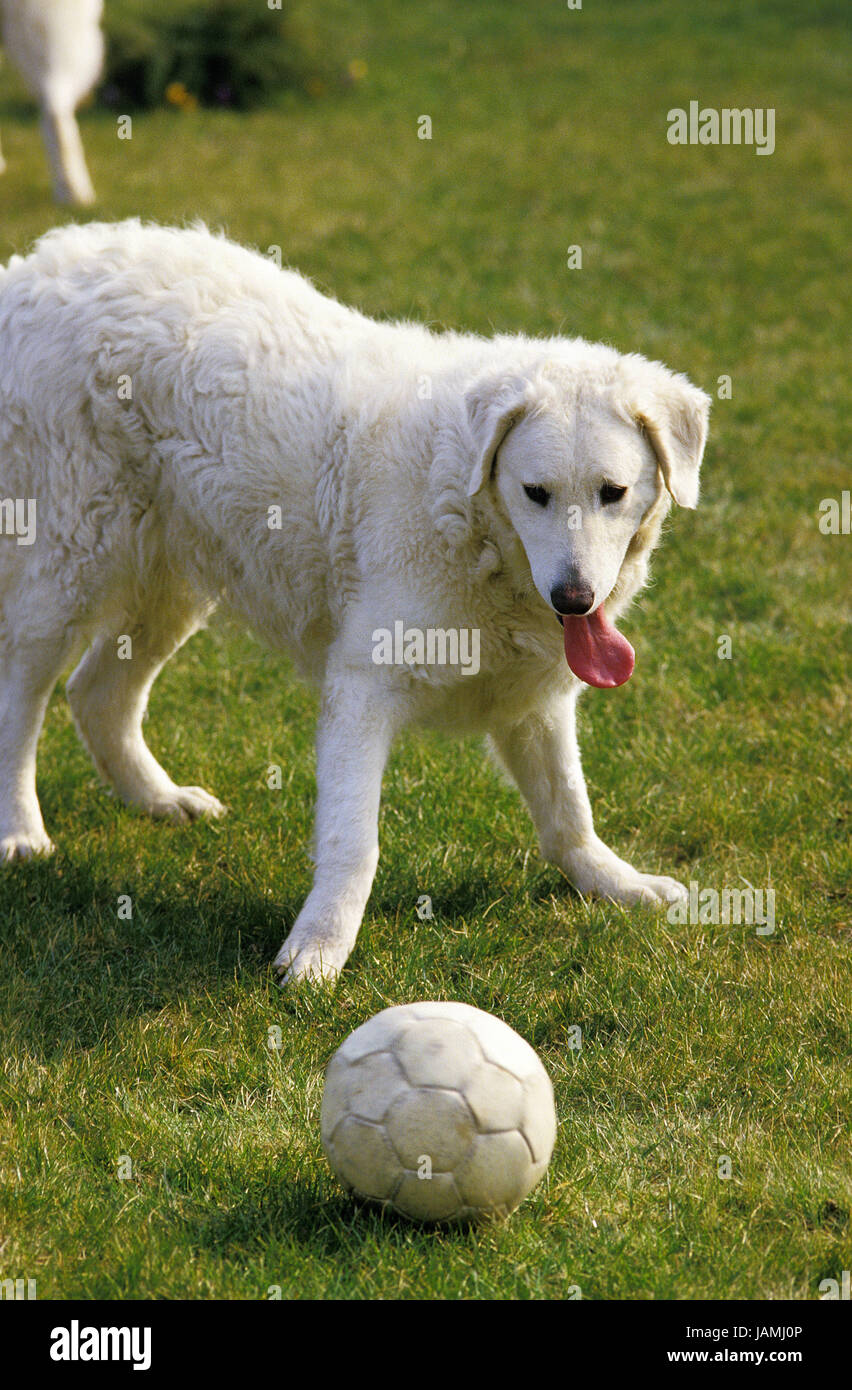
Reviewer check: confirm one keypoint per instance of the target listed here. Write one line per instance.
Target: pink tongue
(596, 652)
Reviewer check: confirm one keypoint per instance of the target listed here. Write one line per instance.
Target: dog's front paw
(657, 890)
(309, 959)
(595, 871)
(184, 804)
(24, 846)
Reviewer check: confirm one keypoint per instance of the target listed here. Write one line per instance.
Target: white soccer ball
(439, 1111)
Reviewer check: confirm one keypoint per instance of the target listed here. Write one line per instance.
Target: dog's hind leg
(108, 694)
(28, 672)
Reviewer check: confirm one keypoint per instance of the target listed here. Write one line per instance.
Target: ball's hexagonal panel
(428, 1199)
(537, 1172)
(365, 1088)
(497, 1173)
(502, 1045)
(495, 1097)
(539, 1115)
(443, 1008)
(334, 1096)
(378, 1034)
(437, 1052)
(430, 1124)
(362, 1156)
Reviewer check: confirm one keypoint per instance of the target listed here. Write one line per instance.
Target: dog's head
(582, 465)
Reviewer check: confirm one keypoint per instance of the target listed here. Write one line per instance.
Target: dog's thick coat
(194, 424)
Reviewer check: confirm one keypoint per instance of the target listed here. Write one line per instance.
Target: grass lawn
(148, 1039)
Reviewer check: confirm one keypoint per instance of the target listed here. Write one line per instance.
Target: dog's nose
(570, 598)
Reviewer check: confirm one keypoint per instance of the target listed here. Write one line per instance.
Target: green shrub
(214, 52)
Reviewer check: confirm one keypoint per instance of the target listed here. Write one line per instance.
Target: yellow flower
(177, 94)
(357, 69)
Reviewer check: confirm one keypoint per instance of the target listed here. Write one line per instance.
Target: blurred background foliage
(234, 53)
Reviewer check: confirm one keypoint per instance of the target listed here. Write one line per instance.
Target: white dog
(182, 422)
(58, 47)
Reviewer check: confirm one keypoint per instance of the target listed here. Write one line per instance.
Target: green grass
(149, 1037)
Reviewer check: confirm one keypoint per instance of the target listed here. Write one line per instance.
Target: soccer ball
(439, 1111)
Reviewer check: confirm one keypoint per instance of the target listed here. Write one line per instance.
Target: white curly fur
(161, 390)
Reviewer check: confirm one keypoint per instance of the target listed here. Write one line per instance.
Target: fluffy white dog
(181, 422)
(58, 47)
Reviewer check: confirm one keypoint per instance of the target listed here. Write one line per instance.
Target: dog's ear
(493, 407)
(673, 414)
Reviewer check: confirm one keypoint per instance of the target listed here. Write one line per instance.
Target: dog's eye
(611, 492)
(537, 494)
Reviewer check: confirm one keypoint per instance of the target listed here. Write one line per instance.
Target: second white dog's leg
(354, 736)
(71, 181)
(542, 755)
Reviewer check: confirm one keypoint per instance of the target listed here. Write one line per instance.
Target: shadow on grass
(466, 894)
(75, 969)
(302, 1211)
